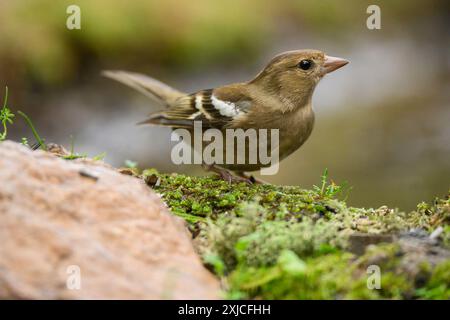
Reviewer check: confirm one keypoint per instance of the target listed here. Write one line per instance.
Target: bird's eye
(305, 64)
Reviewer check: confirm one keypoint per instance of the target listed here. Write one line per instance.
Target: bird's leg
(226, 174)
(251, 178)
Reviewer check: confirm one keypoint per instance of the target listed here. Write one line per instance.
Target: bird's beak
(333, 63)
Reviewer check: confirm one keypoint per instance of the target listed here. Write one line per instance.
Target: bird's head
(294, 74)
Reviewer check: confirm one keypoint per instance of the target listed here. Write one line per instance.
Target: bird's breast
(295, 130)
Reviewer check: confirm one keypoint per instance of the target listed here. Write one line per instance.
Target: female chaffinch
(279, 97)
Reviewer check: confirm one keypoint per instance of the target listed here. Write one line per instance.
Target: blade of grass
(36, 135)
(6, 97)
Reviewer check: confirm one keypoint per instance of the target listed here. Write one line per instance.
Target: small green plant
(6, 116)
(131, 164)
(329, 190)
(25, 142)
(40, 141)
(99, 157)
(73, 155)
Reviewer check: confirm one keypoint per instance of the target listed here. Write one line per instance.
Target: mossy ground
(284, 242)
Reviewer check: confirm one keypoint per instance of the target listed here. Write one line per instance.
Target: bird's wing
(152, 88)
(215, 108)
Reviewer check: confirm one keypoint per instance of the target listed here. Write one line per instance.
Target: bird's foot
(227, 175)
(251, 178)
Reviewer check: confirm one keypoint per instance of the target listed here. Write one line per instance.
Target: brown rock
(57, 216)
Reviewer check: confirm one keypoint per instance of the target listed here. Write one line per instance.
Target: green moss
(330, 276)
(293, 278)
(212, 197)
(338, 275)
(438, 287)
(256, 236)
(285, 242)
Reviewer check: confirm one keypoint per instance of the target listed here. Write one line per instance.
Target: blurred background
(382, 122)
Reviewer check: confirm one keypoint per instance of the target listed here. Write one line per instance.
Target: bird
(278, 97)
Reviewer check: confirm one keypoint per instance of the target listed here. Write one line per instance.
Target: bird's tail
(159, 92)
